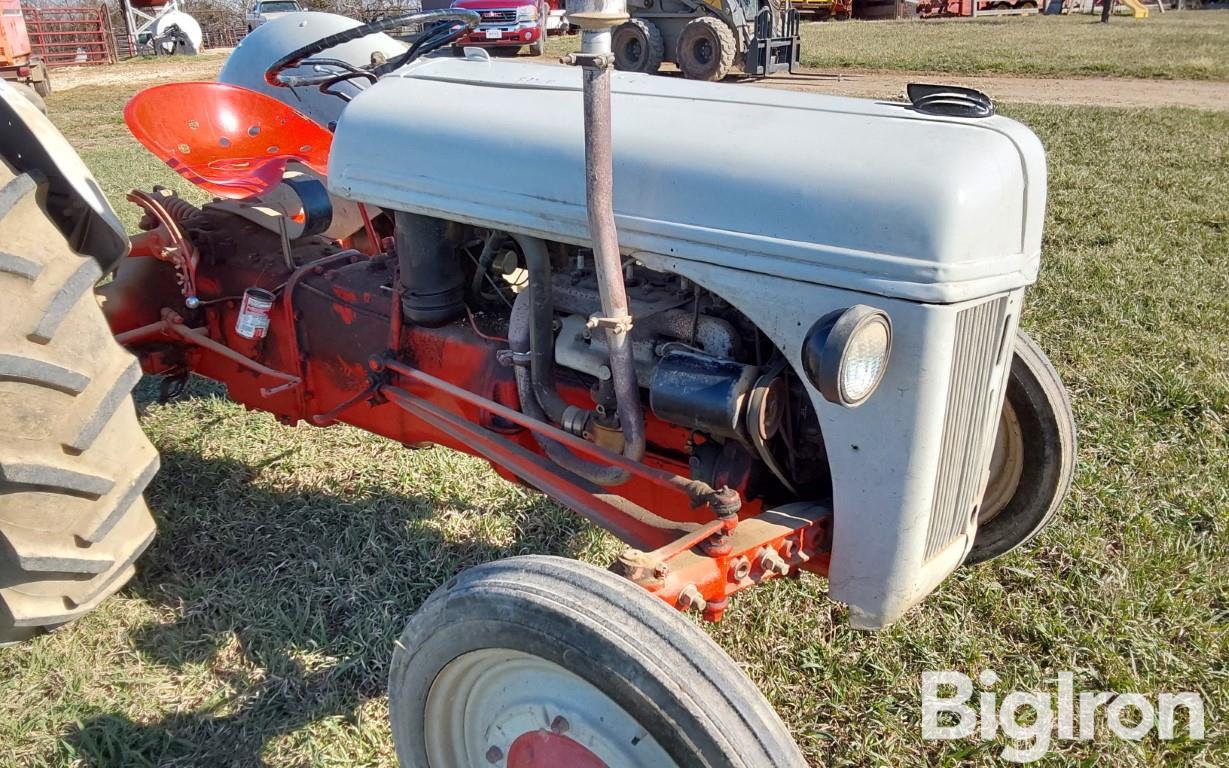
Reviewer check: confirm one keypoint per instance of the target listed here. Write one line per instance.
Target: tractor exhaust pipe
(597, 18)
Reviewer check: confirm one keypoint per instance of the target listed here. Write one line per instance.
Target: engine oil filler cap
(949, 100)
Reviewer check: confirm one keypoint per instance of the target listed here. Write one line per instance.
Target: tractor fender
(263, 46)
(30, 143)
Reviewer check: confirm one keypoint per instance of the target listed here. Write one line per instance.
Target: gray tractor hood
(864, 195)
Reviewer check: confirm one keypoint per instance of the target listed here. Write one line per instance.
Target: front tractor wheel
(1033, 460)
(73, 459)
(540, 662)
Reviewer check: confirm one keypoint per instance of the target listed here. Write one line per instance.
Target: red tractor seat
(227, 140)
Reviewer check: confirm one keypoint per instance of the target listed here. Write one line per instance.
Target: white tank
(187, 25)
(859, 194)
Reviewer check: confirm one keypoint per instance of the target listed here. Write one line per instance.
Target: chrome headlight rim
(826, 346)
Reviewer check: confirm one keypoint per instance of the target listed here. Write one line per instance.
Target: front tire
(576, 666)
(73, 459)
(638, 47)
(706, 49)
(1034, 456)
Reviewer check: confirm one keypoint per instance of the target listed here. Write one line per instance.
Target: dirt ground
(202, 67)
(1071, 91)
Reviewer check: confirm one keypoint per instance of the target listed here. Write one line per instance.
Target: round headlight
(846, 353)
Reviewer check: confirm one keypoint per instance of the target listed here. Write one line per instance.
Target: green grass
(260, 625)
(1188, 45)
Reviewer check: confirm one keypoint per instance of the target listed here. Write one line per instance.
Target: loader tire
(638, 47)
(706, 49)
(73, 459)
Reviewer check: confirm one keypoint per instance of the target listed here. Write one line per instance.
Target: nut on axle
(690, 598)
(770, 561)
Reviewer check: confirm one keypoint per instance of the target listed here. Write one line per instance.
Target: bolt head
(740, 568)
(690, 598)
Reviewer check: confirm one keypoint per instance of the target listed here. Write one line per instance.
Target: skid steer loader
(708, 39)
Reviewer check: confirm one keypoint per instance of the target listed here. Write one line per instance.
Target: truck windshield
(282, 6)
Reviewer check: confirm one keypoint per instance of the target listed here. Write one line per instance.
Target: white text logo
(1031, 719)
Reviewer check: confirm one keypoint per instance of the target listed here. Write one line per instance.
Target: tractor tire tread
(602, 611)
(73, 459)
(31, 370)
(16, 265)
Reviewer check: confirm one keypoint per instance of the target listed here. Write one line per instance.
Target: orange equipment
(16, 62)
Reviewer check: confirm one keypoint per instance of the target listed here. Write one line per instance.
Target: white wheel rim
(1006, 465)
(482, 701)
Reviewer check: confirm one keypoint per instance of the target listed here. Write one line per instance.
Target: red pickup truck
(509, 25)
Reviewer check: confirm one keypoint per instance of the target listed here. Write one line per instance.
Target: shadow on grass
(288, 603)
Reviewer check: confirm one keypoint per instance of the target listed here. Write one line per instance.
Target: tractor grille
(967, 433)
(498, 18)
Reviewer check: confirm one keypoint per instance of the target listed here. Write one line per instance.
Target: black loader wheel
(73, 459)
(1034, 456)
(705, 49)
(540, 661)
(638, 46)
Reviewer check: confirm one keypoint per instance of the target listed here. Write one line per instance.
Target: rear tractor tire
(545, 662)
(706, 49)
(1034, 456)
(31, 95)
(638, 47)
(73, 459)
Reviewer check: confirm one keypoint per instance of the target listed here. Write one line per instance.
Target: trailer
(17, 61)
